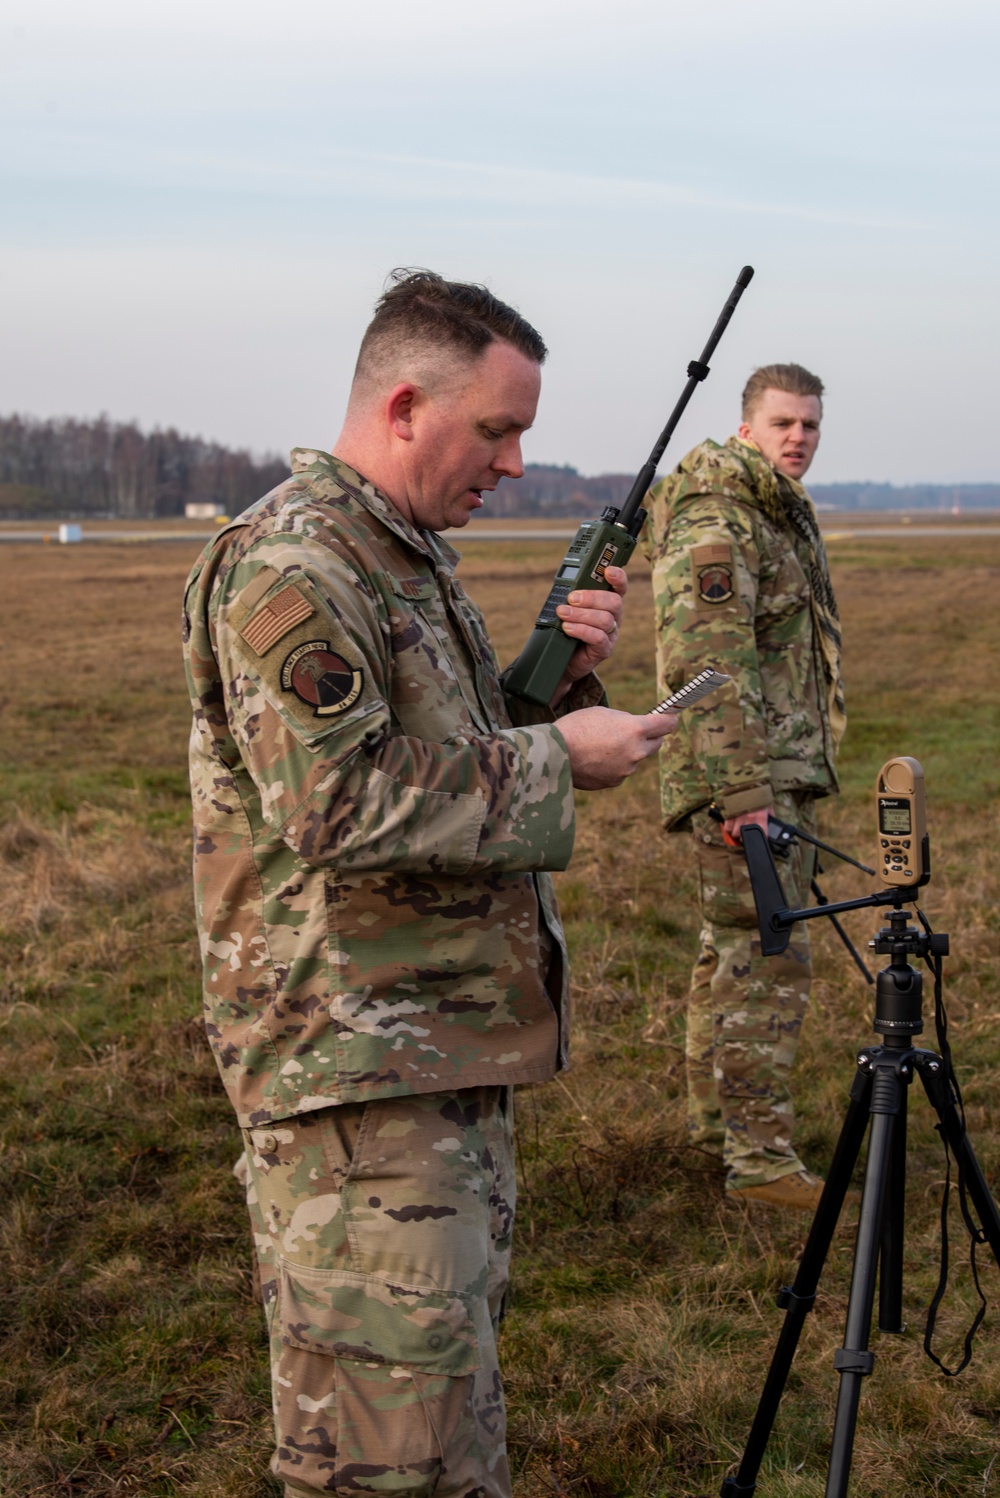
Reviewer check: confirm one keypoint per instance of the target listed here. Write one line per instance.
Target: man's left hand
(594, 619)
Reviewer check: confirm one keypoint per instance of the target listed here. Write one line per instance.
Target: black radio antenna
(697, 371)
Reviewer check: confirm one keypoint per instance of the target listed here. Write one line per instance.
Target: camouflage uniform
(734, 589)
(382, 961)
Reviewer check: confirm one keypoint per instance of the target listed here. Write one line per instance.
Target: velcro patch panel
(272, 622)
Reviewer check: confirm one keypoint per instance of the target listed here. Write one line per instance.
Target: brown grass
(643, 1317)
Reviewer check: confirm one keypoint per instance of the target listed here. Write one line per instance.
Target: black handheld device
(599, 544)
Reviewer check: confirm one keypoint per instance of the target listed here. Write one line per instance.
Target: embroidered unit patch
(715, 584)
(275, 619)
(325, 680)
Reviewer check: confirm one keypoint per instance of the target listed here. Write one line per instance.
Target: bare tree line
(74, 468)
(104, 467)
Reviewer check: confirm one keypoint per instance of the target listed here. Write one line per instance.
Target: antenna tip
(745, 276)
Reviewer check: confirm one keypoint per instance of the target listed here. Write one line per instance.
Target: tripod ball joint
(898, 994)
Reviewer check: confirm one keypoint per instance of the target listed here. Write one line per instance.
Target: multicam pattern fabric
(369, 826)
(731, 580)
(826, 616)
(383, 1231)
(745, 1011)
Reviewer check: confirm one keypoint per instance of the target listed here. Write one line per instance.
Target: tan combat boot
(801, 1192)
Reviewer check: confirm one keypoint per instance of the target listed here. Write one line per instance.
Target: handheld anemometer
(902, 823)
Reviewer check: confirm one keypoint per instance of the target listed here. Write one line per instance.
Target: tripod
(878, 1095)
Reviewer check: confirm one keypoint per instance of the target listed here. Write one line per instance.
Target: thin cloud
(395, 176)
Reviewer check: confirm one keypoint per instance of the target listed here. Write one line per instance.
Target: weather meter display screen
(894, 817)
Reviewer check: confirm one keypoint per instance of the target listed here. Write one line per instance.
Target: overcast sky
(201, 199)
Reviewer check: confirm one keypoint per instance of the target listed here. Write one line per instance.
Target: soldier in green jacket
(374, 825)
(741, 584)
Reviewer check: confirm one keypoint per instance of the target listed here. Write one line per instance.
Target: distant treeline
(548, 490)
(92, 468)
(73, 468)
(907, 496)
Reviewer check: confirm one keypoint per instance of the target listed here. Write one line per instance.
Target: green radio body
(539, 668)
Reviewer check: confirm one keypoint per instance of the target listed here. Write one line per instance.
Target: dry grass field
(643, 1317)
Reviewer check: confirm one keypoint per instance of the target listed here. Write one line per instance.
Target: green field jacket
(370, 829)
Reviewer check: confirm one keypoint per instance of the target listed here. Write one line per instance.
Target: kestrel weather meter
(902, 823)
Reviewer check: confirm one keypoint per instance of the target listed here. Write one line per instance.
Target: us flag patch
(275, 619)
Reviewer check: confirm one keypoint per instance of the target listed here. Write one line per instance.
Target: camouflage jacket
(731, 589)
(369, 826)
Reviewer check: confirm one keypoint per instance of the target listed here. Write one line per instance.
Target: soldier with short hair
(742, 585)
(374, 825)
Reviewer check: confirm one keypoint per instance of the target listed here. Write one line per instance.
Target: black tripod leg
(853, 1361)
(932, 1074)
(890, 1273)
(798, 1300)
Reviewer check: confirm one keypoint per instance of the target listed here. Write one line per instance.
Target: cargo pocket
(726, 893)
(373, 1383)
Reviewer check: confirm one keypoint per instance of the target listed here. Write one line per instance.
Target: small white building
(203, 510)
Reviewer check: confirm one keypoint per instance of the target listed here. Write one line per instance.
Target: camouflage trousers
(745, 1011)
(383, 1231)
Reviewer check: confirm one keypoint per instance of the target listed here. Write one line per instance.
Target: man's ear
(400, 408)
(743, 430)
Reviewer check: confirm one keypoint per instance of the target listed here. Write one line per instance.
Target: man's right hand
(605, 745)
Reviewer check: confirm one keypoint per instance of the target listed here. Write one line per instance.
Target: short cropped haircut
(788, 377)
(422, 314)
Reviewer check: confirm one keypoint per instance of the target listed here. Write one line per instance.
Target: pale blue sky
(200, 202)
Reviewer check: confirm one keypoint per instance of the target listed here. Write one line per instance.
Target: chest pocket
(784, 591)
(433, 692)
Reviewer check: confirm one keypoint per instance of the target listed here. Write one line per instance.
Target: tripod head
(775, 918)
(905, 865)
(899, 940)
(899, 987)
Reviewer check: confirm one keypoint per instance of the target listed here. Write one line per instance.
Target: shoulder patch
(323, 679)
(713, 573)
(272, 622)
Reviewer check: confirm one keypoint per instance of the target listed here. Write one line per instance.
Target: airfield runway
(839, 529)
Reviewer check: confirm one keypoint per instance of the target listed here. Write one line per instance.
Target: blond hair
(792, 378)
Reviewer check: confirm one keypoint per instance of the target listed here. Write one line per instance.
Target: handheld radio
(904, 850)
(608, 542)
